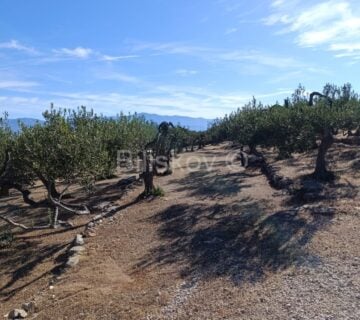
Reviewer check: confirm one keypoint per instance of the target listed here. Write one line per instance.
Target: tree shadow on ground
(105, 192)
(209, 184)
(19, 261)
(24, 214)
(309, 190)
(239, 241)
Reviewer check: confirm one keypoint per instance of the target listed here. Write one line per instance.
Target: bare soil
(221, 244)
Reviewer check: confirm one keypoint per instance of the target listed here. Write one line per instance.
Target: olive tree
(304, 125)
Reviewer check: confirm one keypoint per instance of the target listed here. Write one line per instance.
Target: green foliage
(158, 192)
(294, 127)
(73, 146)
(5, 139)
(185, 138)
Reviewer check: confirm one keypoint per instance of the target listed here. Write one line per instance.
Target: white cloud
(172, 48)
(260, 58)
(14, 84)
(186, 72)
(331, 25)
(78, 52)
(117, 58)
(16, 45)
(231, 30)
(117, 76)
(219, 55)
(161, 99)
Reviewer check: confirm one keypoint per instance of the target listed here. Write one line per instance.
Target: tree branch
(57, 203)
(22, 226)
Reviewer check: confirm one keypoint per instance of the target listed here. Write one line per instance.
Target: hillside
(221, 244)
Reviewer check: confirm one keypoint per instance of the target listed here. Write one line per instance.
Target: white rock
(73, 261)
(97, 217)
(79, 240)
(77, 249)
(17, 314)
(91, 225)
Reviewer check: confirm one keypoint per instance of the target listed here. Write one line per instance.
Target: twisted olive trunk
(26, 195)
(47, 183)
(321, 172)
(148, 176)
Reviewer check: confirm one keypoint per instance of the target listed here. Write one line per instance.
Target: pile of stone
(23, 312)
(76, 251)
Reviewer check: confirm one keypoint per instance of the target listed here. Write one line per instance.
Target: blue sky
(173, 57)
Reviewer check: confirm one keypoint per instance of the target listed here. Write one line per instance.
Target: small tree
(13, 174)
(302, 124)
(305, 122)
(67, 149)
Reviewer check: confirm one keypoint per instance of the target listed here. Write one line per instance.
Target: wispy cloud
(221, 55)
(117, 58)
(16, 45)
(332, 25)
(15, 84)
(171, 48)
(186, 72)
(261, 58)
(78, 52)
(230, 31)
(161, 99)
(117, 76)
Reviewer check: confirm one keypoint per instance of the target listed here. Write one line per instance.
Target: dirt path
(221, 244)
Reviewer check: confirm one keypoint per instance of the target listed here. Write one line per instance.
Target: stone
(17, 314)
(79, 240)
(97, 217)
(73, 261)
(91, 234)
(77, 250)
(29, 306)
(103, 205)
(112, 208)
(91, 225)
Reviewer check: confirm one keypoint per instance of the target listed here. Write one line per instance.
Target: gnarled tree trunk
(47, 183)
(321, 172)
(25, 194)
(148, 175)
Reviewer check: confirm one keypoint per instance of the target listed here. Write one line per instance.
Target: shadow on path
(239, 241)
(209, 184)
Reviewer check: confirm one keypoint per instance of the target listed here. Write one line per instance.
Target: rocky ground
(221, 244)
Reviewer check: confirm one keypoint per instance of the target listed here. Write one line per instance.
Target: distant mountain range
(14, 123)
(197, 124)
